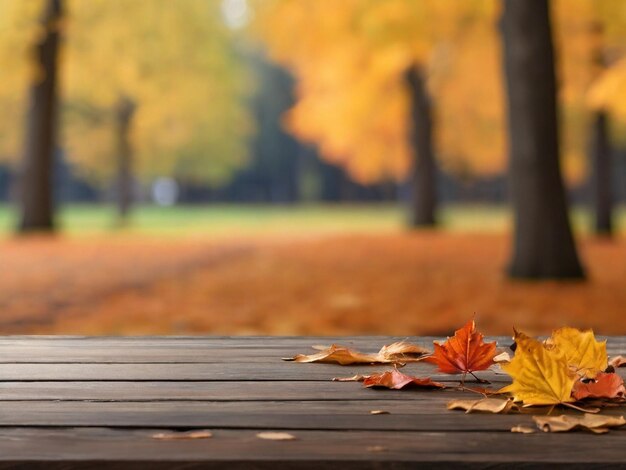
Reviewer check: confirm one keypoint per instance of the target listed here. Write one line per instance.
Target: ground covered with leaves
(388, 283)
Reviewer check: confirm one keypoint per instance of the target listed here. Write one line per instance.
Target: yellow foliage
(586, 356)
(175, 61)
(350, 66)
(540, 375)
(352, 99)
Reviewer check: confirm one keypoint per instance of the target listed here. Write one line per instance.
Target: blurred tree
(543, 242)
(36, 200)
(149, 89)
(160, 85)
(605, 31)
(366, 82)
(424, 171)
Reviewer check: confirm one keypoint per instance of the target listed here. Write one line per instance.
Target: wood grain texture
(129, 449)
(82, 402)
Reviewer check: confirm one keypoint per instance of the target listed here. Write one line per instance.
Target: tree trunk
(543, 241)
(125, 181)
(600, 154)
(36, 189)
(423, 199)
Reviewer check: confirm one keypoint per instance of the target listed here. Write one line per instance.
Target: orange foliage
(424, 283)
(352, 100)
(350, 65)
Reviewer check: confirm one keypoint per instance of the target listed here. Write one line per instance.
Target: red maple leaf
(464, 353)
(605, 385)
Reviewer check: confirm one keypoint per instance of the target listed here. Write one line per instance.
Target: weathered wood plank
(423, 413)
(276, 371)
(96, 448)
(202, 391)
(193, 350)
(268, 371)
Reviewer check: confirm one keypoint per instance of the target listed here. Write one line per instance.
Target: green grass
(233, 220)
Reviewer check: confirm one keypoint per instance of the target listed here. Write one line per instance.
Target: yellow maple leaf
(586, 356)
(540, 375)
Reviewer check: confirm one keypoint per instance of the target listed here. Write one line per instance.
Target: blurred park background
(312, 166)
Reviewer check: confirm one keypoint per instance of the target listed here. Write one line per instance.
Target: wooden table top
(93, 402)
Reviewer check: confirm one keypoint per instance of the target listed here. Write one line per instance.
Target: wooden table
(74, 402)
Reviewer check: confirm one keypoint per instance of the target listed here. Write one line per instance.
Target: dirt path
(397, 284)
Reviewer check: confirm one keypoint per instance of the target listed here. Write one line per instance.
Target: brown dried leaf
(354, 378)
(379, 412)
(489, 405)
(502, 357)
(402, 351)
(522, 429)
(589, 422)
(377, 449)
(396, 380)
(174, 435)
(484, 390)
(389, 354)
(618, 361)
(605, 385)
(276, 436)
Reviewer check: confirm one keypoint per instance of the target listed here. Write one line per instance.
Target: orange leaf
(465, 352)
(603, 386)
(396, 380)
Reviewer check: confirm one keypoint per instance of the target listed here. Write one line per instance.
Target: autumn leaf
(354, 378)
(618, 361)
(502, 357)
(522, 429)
(175, 435)
(595, 423)
(541, 376)
(604, 385)
(396, 380)
(398, 352)
(403, 351)
(276, 436)
(490, 405)
(464, 353)
(583, 353)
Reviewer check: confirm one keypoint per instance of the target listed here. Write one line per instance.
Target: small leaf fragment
(276, 436)
(379, 412)
(618, 361)
(174, 435)
(464, 353)
(484, 391)
(605, 385)
(376, 449)
(354, 378)
(489, 405)
(598, 424)
(522, 429)
(502, 357)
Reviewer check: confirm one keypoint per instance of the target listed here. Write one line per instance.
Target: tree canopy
(175, 61)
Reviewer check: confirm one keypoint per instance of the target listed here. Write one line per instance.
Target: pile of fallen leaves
(570, 369)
